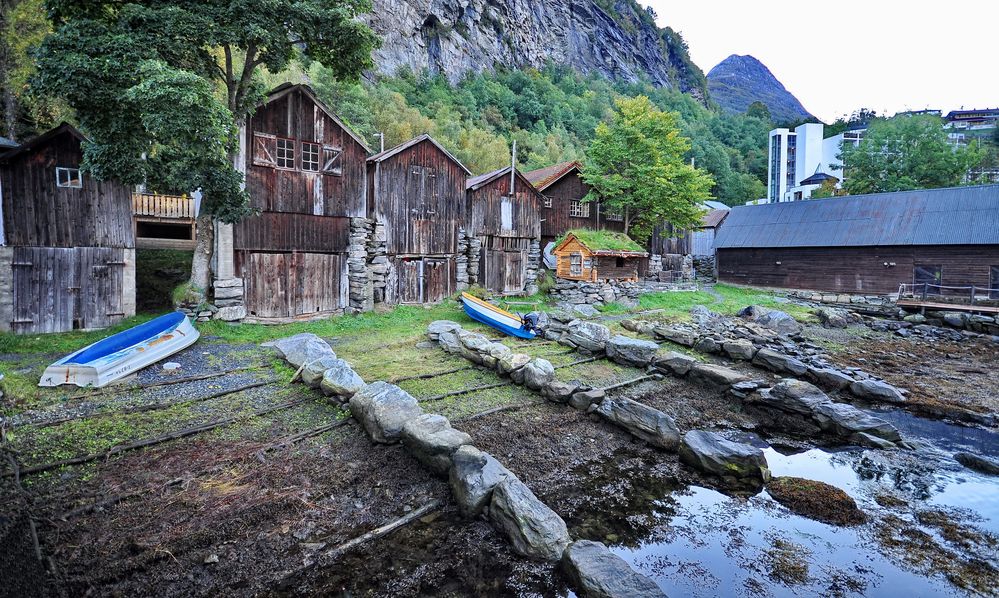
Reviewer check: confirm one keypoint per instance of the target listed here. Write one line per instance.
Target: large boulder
(876, 390)
(537, 373)
(647, 423)
(559, 391)
(473, 345)
(472, 477)
(588, 335)
(739, 349)
(596, 572)
(583, 399)
(687, 338)
(511, 362)
(794, 396)
(845, 420)
(833, 317)
(955, 319)
(312, 373)
(383, 409)
(829, 377)
(778, 362)
(978, 463)
(773, 319)
(638, 326)
(301, 348)
(732, 461)
(341, 380)
(715, 375)
(534, 530)
(631, 351)
(673, 362)
(450, 342)
(436, 327)
(432, 440)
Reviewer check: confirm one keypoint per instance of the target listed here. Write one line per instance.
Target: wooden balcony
(148, 206)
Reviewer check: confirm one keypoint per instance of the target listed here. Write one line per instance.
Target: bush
(475, 291)
(546, 282)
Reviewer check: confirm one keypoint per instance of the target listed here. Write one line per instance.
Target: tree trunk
(201, 264)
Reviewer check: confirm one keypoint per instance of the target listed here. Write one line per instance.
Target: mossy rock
(816, 500)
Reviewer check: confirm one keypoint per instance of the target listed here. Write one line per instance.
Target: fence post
(972, 294)
(926, 288)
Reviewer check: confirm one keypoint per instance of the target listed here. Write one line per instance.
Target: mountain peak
(740, 80)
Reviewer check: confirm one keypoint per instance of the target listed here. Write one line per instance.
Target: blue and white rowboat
(500, 319)
(121, 354)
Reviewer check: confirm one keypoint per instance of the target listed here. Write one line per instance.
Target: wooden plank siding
(38, 213)
(274, 231)
(855, 269)
(293, 284)
(557, 219)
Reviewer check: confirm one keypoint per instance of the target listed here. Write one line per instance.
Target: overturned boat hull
(121, 354)
(500, 319)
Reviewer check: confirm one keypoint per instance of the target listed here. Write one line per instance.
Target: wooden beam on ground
(632, 381)
(149, 407)
(433, 375)
(579, 362)
(466, 391)
(296, 438)
(146, 442)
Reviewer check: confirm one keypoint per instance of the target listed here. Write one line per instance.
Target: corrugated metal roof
(951, 216)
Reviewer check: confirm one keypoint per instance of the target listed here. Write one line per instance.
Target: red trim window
(310, 156)
(285, 153)
(264, 149)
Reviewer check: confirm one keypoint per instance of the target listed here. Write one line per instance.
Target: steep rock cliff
(738, 81)
(618, 39)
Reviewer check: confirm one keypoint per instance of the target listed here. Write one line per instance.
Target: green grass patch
(602, 240)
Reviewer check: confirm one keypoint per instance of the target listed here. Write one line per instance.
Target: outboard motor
(531, 322)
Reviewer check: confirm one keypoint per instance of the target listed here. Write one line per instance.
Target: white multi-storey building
(802, 160)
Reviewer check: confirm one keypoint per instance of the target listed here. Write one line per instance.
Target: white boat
(121, 354)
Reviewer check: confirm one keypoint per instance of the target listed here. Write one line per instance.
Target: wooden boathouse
(67, 251)
(598, 255)
(418, 205)
(305, 173)
(563, 208)
(508, 228)
(866, 244)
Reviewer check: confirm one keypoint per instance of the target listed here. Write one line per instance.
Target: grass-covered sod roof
(603, 240)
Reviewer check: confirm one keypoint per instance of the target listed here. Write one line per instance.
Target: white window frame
(576, 264)
(264, 149)
(579, 209)
(612, 216)
(548, 201)
(311, 153)
(281, 157)
(71, 182)
(332, 164)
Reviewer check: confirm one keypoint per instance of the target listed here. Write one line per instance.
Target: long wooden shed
(563, 209)
(67, 250)
(865, 244)
(305, 173)
(417, 192)
(508, 227)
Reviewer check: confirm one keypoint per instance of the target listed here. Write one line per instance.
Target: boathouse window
(331, 160)
(310, 156)
(68, 178)
(548, 201)
(576, 264)
(264, 149)
(579, 209)
(619, 262)
(285, 153)
(927, 274)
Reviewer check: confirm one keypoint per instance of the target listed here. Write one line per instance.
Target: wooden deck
(967, 307)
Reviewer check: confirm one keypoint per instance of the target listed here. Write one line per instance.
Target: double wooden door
(288, 285)
(424, 280)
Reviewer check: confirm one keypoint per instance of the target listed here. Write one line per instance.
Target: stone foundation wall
(577, 292)
(704, 267)
(378, 263)
(655, 267)
(461, 262)
(359, 291)
(533, 267)
(6, 288)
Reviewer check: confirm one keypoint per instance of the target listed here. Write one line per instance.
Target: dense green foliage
(552, 114)
(636, 167)
(906, 152)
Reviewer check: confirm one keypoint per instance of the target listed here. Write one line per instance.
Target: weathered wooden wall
(665, 240)
(503, 265)
(37, 213)
(563, 255)
(486, 209)
(557, 219)
(855, 269)
(614, 268)
(419, 194)
(421, 279)
(292, 284)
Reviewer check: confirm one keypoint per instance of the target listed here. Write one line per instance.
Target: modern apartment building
(802, 160)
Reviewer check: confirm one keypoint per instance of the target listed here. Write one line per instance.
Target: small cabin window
(548, 201)
(264, 149)
(331, 160)
(579, 209)
(619, 262)
(285, 153)
(576, 264)
(68, 178)
(310, 156)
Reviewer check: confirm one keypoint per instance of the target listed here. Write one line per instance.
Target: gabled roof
(604, 242)
(381, 156)
(41, 139)
(286, 88)
(714, 205)
(713, 218)
(951, 216)
(818, 178)
(543, 178)
(477, 182)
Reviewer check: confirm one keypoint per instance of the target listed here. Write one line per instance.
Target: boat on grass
(121, 354)
(500, 319)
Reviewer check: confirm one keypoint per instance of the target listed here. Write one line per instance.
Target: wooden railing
(180, 207)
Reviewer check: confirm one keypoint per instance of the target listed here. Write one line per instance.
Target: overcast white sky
(839, 55)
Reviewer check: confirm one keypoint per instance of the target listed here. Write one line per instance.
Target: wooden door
(436, 280)
(317, 282)
(266, 280)
(45, 289)
(101, 282)
(410, 271)
(515, 265)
